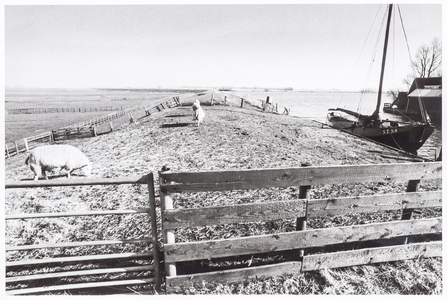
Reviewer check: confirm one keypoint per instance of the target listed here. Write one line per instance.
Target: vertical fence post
(7, 152)
(153, 216)
(411, 187)
(407, 214)
(168, 235)
(94, 132)
(242, 102)
(212, 99)
(26, 144)
(301, 223)
(225, 99)
(111, 126)
(17, 147)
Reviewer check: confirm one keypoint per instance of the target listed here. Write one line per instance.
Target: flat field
(18, 126)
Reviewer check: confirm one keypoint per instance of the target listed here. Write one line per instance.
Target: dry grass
(230, 138)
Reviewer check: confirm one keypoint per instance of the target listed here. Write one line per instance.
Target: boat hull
(407, 137)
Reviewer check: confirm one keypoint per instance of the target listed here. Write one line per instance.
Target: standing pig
(57, 157)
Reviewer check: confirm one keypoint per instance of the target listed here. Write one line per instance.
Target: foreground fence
(306, 249)
(26, 266)
(89, 128)
(383, 233)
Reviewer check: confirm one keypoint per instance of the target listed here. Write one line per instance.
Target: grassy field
(230, 138)
(18, 126)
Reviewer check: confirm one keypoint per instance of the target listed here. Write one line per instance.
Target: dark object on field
(165, 168)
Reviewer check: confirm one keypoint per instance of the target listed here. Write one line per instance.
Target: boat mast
(379, 97)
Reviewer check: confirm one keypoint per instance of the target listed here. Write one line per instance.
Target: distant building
(429, 90)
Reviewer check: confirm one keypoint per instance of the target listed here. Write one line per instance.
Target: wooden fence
(49, 110)
(302, 209)
(89, 128)
(152, 238)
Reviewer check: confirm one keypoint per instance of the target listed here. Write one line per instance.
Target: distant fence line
(19, 111)
(90, 128)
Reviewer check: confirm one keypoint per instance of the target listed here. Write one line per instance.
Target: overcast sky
(304, 46)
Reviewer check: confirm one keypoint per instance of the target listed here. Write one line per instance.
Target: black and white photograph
(222, 148)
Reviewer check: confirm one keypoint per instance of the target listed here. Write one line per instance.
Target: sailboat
(407, 136)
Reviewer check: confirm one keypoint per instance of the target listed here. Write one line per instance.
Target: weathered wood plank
(78, 244)
(79, 286)
(75, 182)
(422, 199)
(187, 251)
(76, 214)
(88, 258)
(79, 273)
(371, 255)
(235, 275)
(284, 177)
(360, 204)
(241, 213)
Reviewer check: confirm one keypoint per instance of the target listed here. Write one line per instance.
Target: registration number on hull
(389, 131)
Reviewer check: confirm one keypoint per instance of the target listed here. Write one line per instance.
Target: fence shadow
(178, 116)
(174, 125)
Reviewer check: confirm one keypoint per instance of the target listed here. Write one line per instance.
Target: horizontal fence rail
(267, 211)
(89, 285)
(303, 176)
(300, 209)
(30, 264)
(188, 251)
(87, 258)
(78, 244)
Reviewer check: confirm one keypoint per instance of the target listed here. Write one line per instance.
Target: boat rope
(424, 115)
(397, 143)
(405, 116)
(370, 67)
(360, 54)
(403, 29)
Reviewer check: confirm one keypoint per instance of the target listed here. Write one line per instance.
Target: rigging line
(405, 116)
(361, 51)
(405, 34)
(409, 55)
(372, 62)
